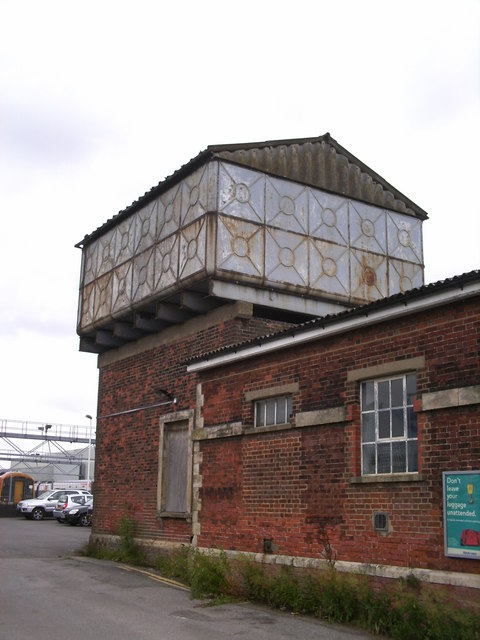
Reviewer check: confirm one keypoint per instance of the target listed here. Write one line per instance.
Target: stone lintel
(387, 369)
(269, 392)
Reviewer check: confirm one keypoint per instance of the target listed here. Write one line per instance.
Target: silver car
(78, 514)
(66, 502)
(44, 505)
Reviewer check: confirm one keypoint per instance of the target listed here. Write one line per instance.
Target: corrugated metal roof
(413, 294)
(318, 162)
(322, 163)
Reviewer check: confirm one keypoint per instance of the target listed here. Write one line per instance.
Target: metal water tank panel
(249, 228)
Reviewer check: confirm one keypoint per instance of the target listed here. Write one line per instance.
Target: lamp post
(89, 449)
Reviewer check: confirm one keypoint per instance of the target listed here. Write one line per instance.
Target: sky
(100, 101)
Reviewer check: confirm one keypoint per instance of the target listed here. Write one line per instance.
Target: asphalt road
(47, 591)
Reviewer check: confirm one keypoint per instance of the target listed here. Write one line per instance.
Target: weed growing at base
(407, 611)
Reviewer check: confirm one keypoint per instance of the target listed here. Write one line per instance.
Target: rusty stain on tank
(369, 277)
(365, 275)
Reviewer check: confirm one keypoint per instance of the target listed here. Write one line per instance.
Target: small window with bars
(389, 426)
(272, 411)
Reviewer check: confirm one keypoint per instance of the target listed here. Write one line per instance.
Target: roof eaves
(362, 310)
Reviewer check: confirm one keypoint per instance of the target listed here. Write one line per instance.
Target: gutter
(370, 317)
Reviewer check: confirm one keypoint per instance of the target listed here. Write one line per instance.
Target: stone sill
(268, 429)
(174, 515)
(236, 429)
(332, 416)
(322, 416)
(387, 477)
(459, 397)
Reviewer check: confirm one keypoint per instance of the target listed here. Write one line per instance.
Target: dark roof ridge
(216, 148)
(364, 309)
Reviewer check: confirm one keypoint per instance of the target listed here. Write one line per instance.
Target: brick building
(210, 433)
(337, 433)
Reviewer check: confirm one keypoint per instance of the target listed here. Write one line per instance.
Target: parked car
(44, 505)
(66, 501)
(81, 515)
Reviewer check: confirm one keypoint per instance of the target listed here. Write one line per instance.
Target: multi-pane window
(272, 411)
(389, 426)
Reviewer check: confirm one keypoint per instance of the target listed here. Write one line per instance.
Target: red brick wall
(127, 449)
(294, 486)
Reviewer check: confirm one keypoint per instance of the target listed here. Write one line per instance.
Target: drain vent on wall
(380, 521)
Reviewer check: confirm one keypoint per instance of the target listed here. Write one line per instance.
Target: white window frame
(281, 405)
(377, 413)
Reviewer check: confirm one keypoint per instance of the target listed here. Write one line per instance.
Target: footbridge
(45, 443)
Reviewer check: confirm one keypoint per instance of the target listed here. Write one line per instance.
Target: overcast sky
(99, 101)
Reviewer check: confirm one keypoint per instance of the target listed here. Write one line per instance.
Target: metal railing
(46, 431)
